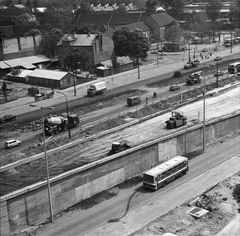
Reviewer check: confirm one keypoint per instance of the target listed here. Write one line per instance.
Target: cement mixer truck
(56, 124)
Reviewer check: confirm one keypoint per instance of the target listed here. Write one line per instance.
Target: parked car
(7, 118)
(204, 50)
(217, 58)
(174, 87)
(219, 73)
(12, 143)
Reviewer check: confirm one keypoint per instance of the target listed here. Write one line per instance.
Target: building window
(68, 81)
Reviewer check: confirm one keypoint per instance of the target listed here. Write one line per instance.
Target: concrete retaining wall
(30, 205)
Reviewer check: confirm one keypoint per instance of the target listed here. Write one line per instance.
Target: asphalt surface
(116, 84)
(134, 207)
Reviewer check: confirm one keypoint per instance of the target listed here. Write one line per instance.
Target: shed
(51, 79)
(105, 68)
(21, 77)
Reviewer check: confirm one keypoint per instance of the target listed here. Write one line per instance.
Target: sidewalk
(21, 106)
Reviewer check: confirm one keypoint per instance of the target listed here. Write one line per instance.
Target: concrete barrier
(29, 206)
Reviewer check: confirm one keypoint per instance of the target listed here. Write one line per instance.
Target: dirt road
(154, 128)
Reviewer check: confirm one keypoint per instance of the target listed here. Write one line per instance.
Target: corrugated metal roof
(48, 74)
(162, 19)
(26, 62)
(22, 74)
(3, 65)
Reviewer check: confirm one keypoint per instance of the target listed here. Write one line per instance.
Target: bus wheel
(164, 184)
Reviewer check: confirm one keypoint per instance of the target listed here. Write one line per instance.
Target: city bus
(234, 67)
(166, 172)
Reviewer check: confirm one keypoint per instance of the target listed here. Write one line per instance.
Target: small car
(174, 87)
(204, 50)
(12, 143)
(217, 58)
(219, 73)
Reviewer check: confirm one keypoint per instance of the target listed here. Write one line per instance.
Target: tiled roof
(112, 18)
(48, 74)
(94, 19)
(140, 25)
(127, 18)
(162, 19)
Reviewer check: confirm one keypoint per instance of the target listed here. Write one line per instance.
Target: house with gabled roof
(158, 22)
(99, 46)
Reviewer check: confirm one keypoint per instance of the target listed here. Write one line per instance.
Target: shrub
(177, 74)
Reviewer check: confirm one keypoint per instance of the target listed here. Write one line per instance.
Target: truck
(118, 147)
(176, 120)
(42, 96)
(194, 78)
(55, 124)
(96, 89)
(190, 65)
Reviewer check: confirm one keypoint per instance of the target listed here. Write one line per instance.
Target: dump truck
(176, 120)
(118, 147)
(96, 89)
(55, 124)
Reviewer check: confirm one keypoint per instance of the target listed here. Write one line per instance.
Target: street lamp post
(189, 58)
(204, 110)
(74, 82)
(217, 59)
(69, 131)
(46, 162)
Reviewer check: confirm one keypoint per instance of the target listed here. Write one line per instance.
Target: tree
(122, 8)
(236, 193)
(78, 59)
(85, 8)
(173, 34)
(151, 6)
(173, 7)
(84, 28)
(4, 89)
(130, 43)
(213, 9)
(49, 42)
(235, 12)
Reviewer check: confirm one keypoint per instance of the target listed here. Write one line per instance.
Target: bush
(177, 74)
(236, 193)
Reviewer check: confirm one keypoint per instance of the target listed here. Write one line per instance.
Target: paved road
(126, 80)
(133, 208)
(89, 118)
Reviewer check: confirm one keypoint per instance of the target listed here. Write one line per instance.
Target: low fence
(29, 206)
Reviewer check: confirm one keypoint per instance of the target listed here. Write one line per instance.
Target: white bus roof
(235, 63)
(166, 165)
